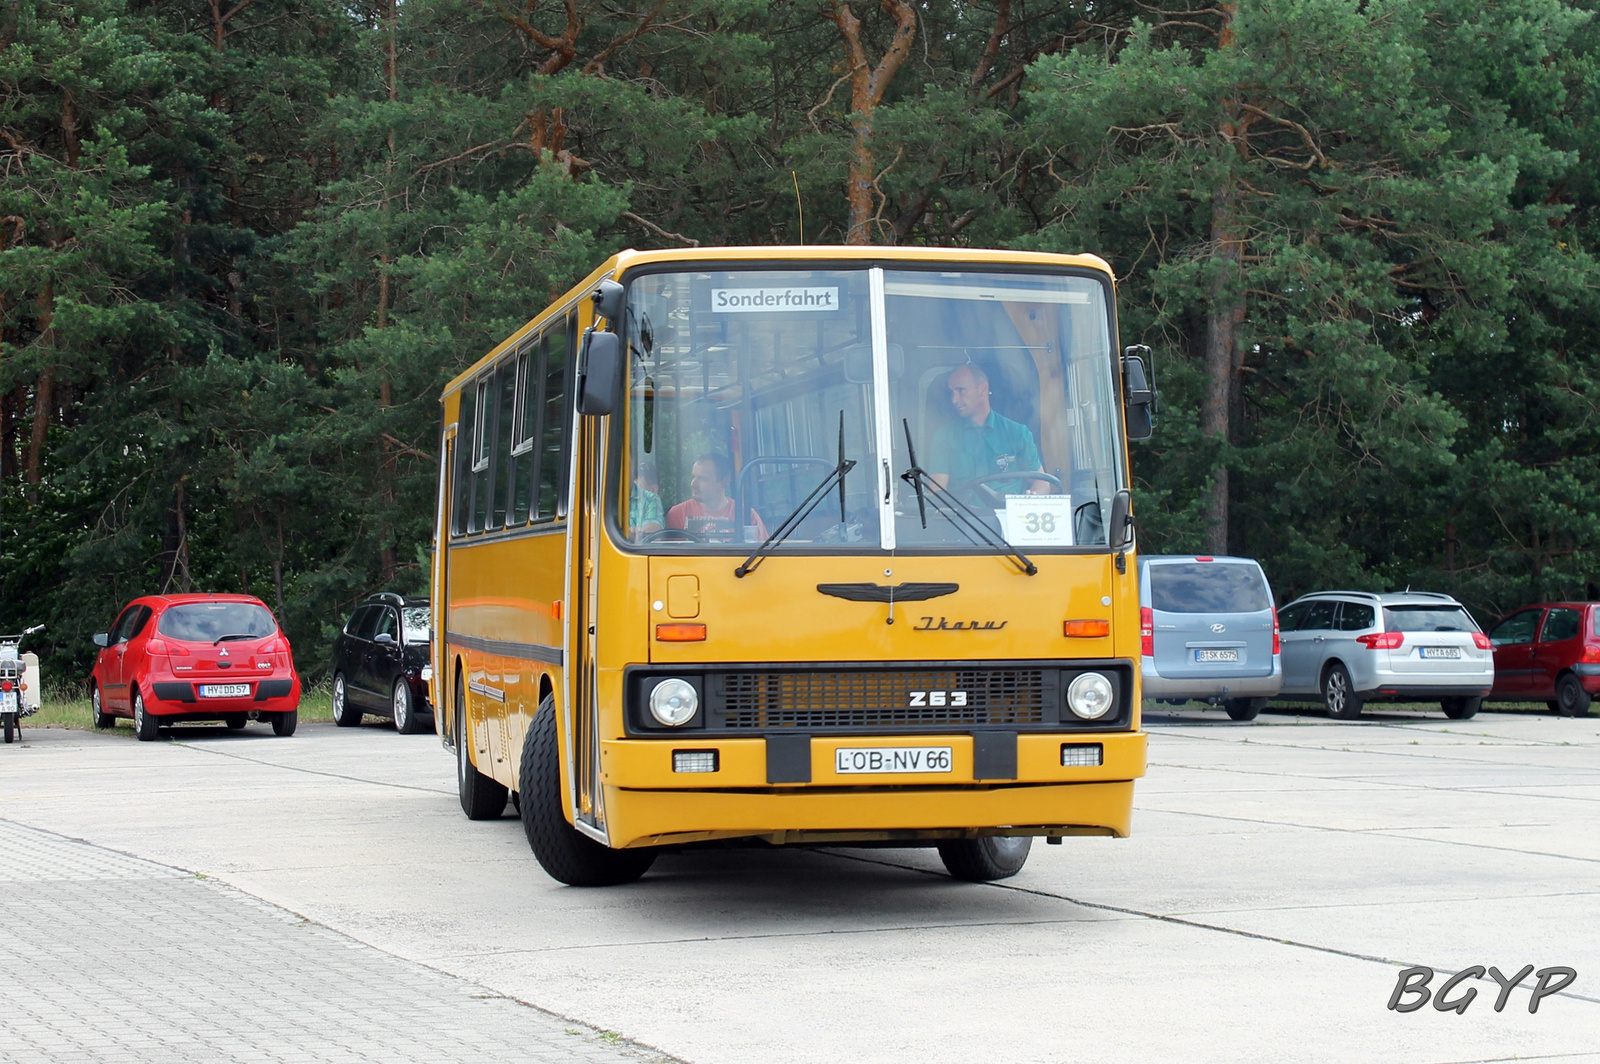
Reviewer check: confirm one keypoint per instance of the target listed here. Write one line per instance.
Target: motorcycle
(16, 698)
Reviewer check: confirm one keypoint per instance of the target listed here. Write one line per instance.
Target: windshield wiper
(226, 638)
(967, 520)
(801, 512)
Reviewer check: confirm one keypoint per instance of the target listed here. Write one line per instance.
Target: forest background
(244, 242)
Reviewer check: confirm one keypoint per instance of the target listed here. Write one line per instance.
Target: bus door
(583, 524)
(439, 596)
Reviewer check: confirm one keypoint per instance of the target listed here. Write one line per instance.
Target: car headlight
(1091, 696)
(673, 702)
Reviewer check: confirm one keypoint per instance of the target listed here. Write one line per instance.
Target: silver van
(1345, 648)
(1208, 631)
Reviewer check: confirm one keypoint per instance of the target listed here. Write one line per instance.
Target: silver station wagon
(1208, 632)
(1347, 648)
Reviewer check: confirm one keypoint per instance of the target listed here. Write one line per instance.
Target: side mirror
(1139, 395)
(608, 300)
(384, 639)
(1120, 531)
(599, 373)
(102, 639)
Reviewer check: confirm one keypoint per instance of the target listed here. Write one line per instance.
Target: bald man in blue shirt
(983, 442)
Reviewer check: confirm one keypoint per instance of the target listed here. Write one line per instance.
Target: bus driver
(982, 442)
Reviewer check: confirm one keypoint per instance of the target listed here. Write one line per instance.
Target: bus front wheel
(481, 797)
(565, 853)
(984, 860)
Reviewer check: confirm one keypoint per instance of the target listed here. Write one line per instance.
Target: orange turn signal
(1094, 629)
(681, 633)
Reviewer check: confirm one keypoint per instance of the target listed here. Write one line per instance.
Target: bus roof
(626, 260)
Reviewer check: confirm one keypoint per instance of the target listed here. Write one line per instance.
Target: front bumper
(182, 698)
(1158, 686)
(647, 803)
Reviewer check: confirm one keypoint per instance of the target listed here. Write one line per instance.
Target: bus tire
(481, 797)
(144, 724)
(1243, 708)
(985, 860)
(565, 853)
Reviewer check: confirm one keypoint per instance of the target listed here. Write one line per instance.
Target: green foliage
(238, 260)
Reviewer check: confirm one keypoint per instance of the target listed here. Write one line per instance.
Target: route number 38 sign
(1038, 520)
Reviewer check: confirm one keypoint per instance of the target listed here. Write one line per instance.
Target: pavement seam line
(1104, 907)
(309, 771)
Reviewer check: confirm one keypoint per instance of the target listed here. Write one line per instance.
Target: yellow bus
(798, 545)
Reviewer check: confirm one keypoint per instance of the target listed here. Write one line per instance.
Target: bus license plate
(869, 759)
(1216, 655)
(224, 690)
(1441, 652)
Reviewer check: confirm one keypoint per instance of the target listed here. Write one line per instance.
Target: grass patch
(69, 709)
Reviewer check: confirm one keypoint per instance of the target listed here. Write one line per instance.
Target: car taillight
(1147, 632)
(1481, 641)
(1277, 636)
(271, 646)
(158, 647)
(1382, 640)
(1591, 655)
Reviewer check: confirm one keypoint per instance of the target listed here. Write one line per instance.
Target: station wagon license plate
(1216, 655)
(871, 759)
(224, 690)
(1441, 652)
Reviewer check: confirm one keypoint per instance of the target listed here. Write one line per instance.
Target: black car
(381, 663)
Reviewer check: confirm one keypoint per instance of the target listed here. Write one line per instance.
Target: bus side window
(553, 426)
(466, 421)
(502, 463)
(482, 453)
(526, 437)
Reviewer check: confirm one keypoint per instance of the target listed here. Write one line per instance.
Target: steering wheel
(680, 534)
(980, 485)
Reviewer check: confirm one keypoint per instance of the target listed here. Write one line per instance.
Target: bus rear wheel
(985, 860)
(565, 853)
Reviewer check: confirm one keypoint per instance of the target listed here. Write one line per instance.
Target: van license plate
(1441, 652)
(224, 690)
(1216, 655)
(870, 759)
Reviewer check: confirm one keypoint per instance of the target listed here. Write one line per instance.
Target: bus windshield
(749, 388)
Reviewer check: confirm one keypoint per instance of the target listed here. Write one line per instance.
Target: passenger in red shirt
(708, 512)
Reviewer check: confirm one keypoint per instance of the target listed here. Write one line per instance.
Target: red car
(172, 658)
(1549, 653)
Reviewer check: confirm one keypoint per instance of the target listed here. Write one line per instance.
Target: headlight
(1091, 696)
(673, 702)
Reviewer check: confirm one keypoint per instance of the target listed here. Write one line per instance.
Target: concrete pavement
(1280, 876)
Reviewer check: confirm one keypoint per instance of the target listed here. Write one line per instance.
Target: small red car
(1550, 653)
(172, 658)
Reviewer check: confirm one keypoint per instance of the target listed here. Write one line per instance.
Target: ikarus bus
(799, 545)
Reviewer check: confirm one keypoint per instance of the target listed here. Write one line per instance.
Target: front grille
(819, 700)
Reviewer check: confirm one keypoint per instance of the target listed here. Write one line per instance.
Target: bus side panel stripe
(522, 651)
